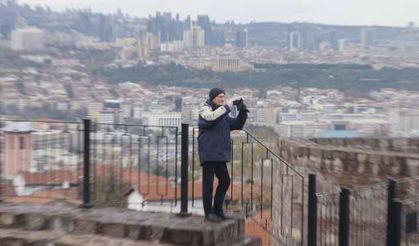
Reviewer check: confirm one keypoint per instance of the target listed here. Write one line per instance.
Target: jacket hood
(212, 105)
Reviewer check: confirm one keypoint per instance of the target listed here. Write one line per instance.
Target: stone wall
(404, 145)
(352, 161)
(64, 224)
(336, 162)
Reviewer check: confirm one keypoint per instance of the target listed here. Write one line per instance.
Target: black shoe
(213, 218)
(222, 216)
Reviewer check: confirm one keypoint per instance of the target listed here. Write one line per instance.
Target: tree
(351, 78)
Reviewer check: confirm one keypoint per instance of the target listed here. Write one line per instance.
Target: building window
(21, 143)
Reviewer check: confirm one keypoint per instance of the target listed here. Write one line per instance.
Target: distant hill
(346, 77)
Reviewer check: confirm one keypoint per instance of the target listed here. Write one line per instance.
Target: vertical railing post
(1, 165)
(312, 211)
(344, 217)
(397, 222)
(184, 171)
(86, 164)
(391, 195)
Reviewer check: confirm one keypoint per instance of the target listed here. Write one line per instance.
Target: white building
(174, 46)
(295, 40)
(367, 37)
(163, 118)
(29, 38)
(298, 117)
(306, 125)
(94, 109)
(404, 120)
(194, 37)
(107, 117)
(301, 129)
(371, 127)
(259, 112)
(230, 64)
(342, 44)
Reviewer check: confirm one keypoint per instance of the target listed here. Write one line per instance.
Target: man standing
(214, 145)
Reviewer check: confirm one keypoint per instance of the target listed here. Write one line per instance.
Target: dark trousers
(219, 169)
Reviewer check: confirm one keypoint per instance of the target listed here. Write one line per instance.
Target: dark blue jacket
(214, 142)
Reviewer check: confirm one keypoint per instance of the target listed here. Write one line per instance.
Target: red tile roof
(51, 177)
(7, 189)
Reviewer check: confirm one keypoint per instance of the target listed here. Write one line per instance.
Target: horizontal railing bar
(368, 187)
(274, 154)
(42, 121)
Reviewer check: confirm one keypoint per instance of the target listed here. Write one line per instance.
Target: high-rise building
(112, 112)
(295, 40)
(29, 38)
(105, 29)
(242, 37)
(167, 15)
(151, 41)
(165, 28)
(215, 37)
(334, 43)
(188, 23)
(259, 112)
(367, 37)
(204, 22)
(142, 49)
(194, 38)
(342, 43)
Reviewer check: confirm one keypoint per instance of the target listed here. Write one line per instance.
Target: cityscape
(331, 107)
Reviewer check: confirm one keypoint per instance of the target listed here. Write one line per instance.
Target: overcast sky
(346, 12)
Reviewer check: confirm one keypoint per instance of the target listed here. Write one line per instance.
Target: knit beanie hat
(214, 92)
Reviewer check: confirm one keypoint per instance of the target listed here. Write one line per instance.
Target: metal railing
(263, 186)
(368, 214)
(380, 214)
(41, 160)
(327, 218)
(134, 158)
(89, 163)
(139, 167)
(407, 210)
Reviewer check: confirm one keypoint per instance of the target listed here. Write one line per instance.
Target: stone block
(413, 166)
(12, 242)
(84, 226)
(182, 237)
(362, 157)
(114, 230)
(338, 154)
(35, 222)
(153, 232)
(8, 219)
(62, 223)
